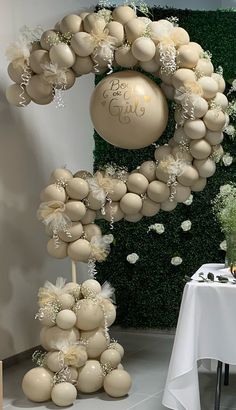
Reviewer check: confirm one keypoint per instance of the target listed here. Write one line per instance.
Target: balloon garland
(129, 111)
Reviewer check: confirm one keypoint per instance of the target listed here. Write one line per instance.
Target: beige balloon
(73, 289)
(38, 88)
(188, 176)
(48, 38)
(187, 56)
(79, 250)
(137, 183)
(60, 174)
(206, 167)
(64, 394)
(93, 202)
(180, 36)
(37, 384)
(221, 100)
(214, 120)
(150, 66)
(121, 122)
(124, 57)
(131, 203)
(116, 30)
(214, 137)
(71, 24)
(96, 343)
(90, 377)
(118, 347)
(89, 314)
(181, 76)
(83, 44)
(182, 193)
(195, 129)
(209, 87)
(43, 101)
(15, 73)
(37, 59)
(168, 205)
(200, 149)
(110, 311)
(75, 210)
(117, 383)
(160, 29)
(150, 208)
(54, 336)
(59, 251)
(69, 80)
(158, 191)
(83, 174)
(72, 375)
(180, 136)
(77, 188)
(204, 67)
(94, 21)
(220, 81)
(17, 96)
(118, 190)
(110, 357)
(83, 65)
(148, 169)
(162, 174)
(197, 47)
(113, 212)
(168, 91)
(55, 361)
(162, 152)
(66, 300)
(199, 185)
(200, 106)
(53, 192)
(90, 287)
(89, 217)
(91, 230)
(66, 319)
(72, 233)
(133, 218)
(143, 49)
(62, 55)
(123, 14)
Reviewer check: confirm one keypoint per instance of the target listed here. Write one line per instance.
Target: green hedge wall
(148, 294)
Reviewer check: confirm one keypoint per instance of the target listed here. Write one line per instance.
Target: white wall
(33, 141)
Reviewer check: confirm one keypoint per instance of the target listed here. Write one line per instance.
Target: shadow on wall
(21, 252)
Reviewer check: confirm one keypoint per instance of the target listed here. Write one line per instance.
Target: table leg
(226, 378)
(218, 386)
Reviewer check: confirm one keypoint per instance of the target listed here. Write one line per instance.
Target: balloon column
(79, 352)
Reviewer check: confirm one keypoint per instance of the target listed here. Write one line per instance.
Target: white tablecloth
(206, 329)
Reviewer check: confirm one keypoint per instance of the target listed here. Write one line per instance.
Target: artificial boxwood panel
(148, 294)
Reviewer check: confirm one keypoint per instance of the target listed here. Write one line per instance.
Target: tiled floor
(147, 358)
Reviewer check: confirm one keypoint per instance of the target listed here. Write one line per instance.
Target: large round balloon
(129, 110)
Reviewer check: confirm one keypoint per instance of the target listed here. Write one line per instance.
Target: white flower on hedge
(132, 258)
(176, 260)
(225, 189)
(223, 246)
(108, 238)
(227, 159)
(189, 200)
(230, 130)
(158, 228)
(186, 225)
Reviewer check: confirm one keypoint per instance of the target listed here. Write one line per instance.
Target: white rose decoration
(227, 159)
(186, 225)
(132, 258)
(176, 260)
(229, 130)
(108, 238)
(225, 189)
(158, 228)
(189, 200)
(223, 246)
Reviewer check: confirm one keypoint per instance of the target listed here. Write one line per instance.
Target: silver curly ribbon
(25, 76)
(92, 271)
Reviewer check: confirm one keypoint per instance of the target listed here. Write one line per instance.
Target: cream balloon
(206, 167)
(72, 233)
(79, 250)
(90, 287)
(149, 208)
(89, 314)
(113, 212)
(117, 383)
(204, 67)
(133, 218)
(200, 149)
(37, 384)
(62, 55)
(199, 185)
(148, 169)
(123, 14)
(60, 174)
(72, 375)
(83, 44)
(17, 96)
(55, 361)
(182, 193)
(168, 205)
(67, 83)
(59, 251)
(162, 152)
(160, 29)
(91, 230)
(15, 73)
(209, 87)
(181, 76)
(54, 336)
(53, 192)
(66, 300)
(180, 36)
(38, 88)
(124, 57)
(188, 176)
(214, 120)
(48, 38)
(90, 377)
(94, 22)
(150, 66)
(63, 394)
(214, 137)
(131, 203)
(137, 183)
(73, 289)
(83, 65)
(110, 357)
(187, 57)
(38, 58)
(220, 81)
(118, 347)
(118, 190)
(66, 319)
(77, 188)
(116, 30)
(110, 311)
(75, 210)
(96, 343)
(89, 217)
(143, 49)
(71, 24)
(158, 191)
(43, 101)
(83, 174)
(200, 106)
(195, 129)
(197, 47)
(221, 100)
(128, 125)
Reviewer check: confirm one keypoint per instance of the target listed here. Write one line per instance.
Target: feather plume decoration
(99, 248)
(99, 185)
(54, 74)
(173, 166)
(18, 53)
(49, 293)
(52, 214)
(107, 291)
